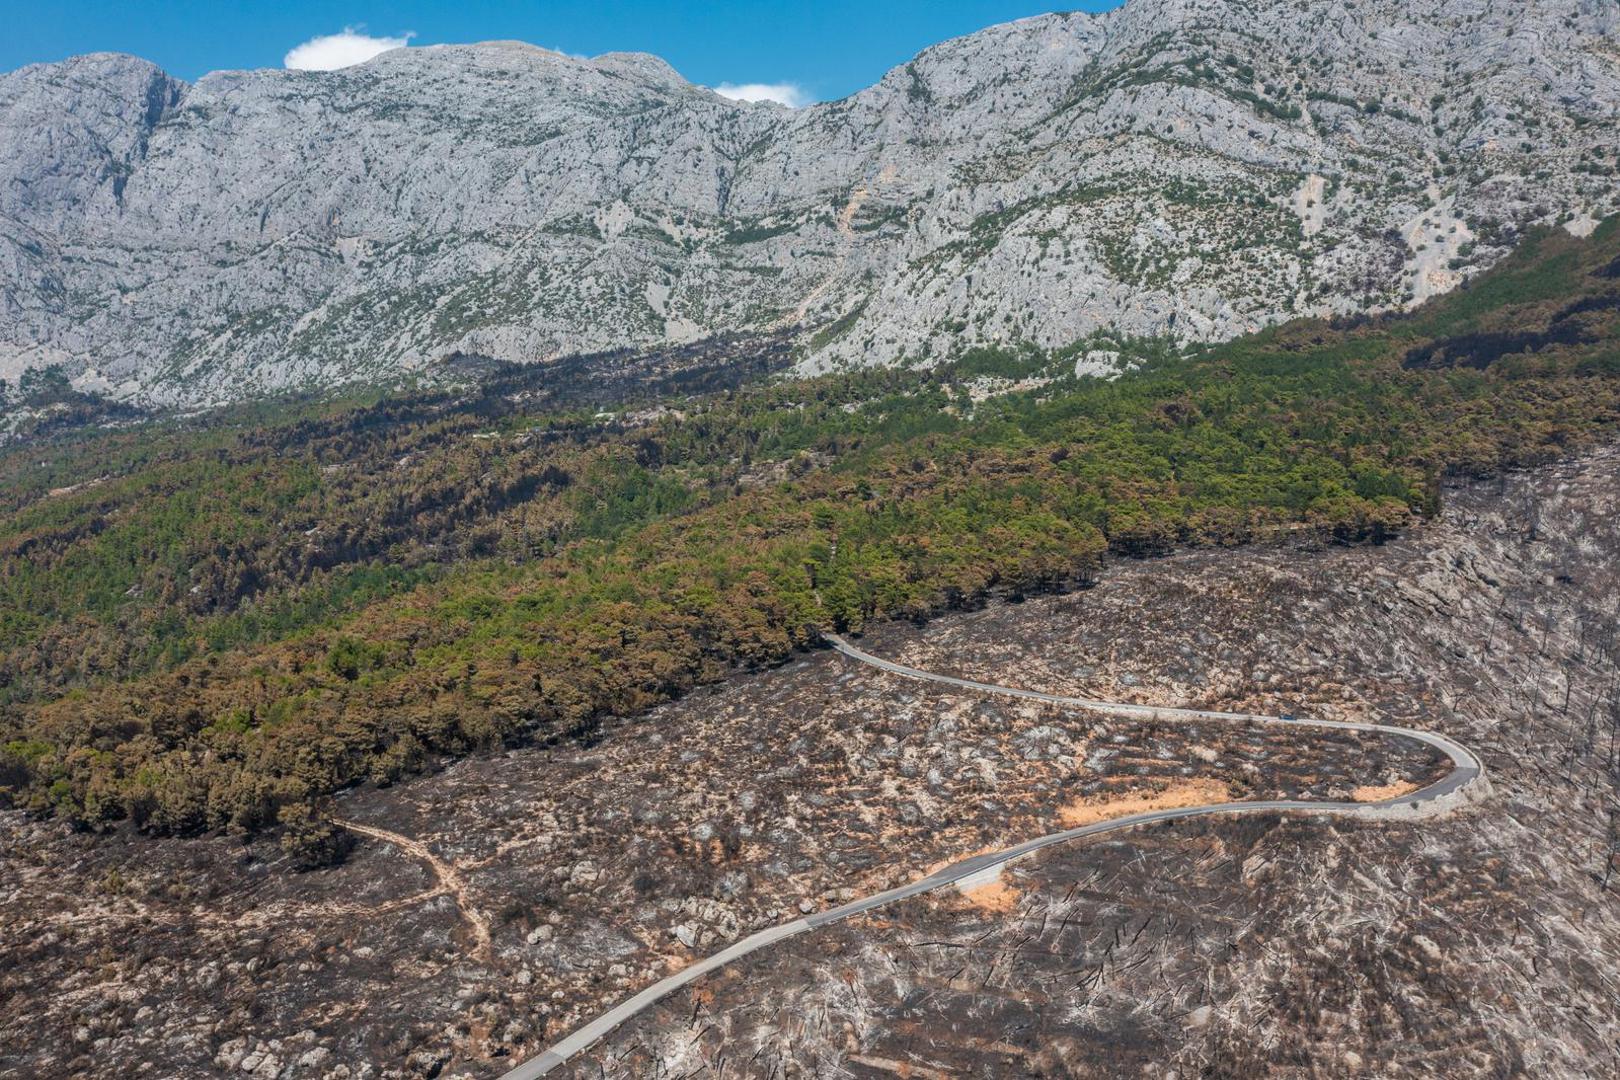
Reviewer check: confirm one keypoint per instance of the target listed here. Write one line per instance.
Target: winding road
(1465, 781)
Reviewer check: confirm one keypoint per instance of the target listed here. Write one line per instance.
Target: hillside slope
(1197, 168)
(1286, 947)
(217, 624)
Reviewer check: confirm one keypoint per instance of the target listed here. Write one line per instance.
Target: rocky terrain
(1191, 167)
(505, 901)
(489, 909)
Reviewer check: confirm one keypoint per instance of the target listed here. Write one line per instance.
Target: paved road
(1466, 773)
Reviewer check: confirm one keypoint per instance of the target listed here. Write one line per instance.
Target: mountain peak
(103, 68)
(640, 64)
(517, 59)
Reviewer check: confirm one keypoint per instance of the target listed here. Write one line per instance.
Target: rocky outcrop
(1197, 168)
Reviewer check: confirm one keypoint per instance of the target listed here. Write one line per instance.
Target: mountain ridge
(1196, 167)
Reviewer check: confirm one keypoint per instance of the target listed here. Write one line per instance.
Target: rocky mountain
(1188, 167)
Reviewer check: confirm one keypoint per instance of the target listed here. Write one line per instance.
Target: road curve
(1466, 779)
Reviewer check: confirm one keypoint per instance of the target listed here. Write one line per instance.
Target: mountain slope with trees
(218, 623)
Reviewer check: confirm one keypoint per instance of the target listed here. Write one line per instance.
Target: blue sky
(827, 48)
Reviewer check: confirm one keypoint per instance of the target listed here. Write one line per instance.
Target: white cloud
(332, 51)
(790, 94)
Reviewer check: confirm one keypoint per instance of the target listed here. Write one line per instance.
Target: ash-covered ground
(489, 909)
(1483, 944)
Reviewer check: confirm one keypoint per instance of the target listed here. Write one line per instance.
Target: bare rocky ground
(493, 907)
(490, 908)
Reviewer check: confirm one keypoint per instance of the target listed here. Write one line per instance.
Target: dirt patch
(990, 891)
(449, 880)
(1380, 792)
(1090, 810)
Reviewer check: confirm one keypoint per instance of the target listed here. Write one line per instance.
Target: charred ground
(1482, 944)
(489, 909)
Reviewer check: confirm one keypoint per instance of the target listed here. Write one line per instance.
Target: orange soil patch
(1091, 810)
(1369, 793)
(994, 895)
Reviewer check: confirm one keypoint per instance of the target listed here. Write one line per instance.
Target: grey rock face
(1192, 167)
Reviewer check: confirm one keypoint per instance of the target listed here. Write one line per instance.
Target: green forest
(216, 623)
